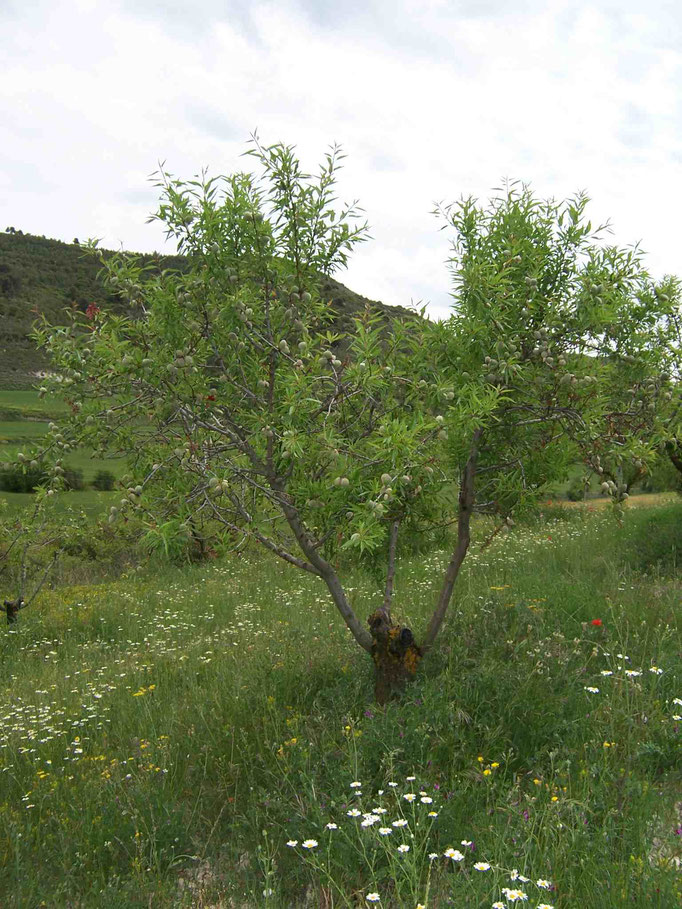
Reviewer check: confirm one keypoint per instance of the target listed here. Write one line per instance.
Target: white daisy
(369, 820)
(453, 854)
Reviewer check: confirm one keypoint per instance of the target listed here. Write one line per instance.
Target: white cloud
(431, 100)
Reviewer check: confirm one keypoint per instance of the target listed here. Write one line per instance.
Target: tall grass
(164, 737)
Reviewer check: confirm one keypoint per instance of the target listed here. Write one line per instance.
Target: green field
(95, 504)
(80, 460)
(166, 736)
(26, 405)
(21, 429)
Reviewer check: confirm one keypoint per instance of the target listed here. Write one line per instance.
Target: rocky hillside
(43, 276)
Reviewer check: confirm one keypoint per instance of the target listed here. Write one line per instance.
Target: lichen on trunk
(395, 656)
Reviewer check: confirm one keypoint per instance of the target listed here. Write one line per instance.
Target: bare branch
(47, 571)
(466, 501)
(390, 572)
(325, 570)
(265, 541)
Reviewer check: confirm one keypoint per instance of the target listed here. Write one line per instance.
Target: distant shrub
(104, 480)
(15, 478)
(73, 478)
(655, 540)
(576, 491)
(663, 477)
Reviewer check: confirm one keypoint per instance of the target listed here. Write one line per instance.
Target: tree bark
(325, 571)
(675, 455)
(12, 607)
(395, 656)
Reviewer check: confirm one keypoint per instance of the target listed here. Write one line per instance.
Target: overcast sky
(430, 99)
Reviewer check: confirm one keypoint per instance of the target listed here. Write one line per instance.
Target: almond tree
(575, 339)
(242, 411)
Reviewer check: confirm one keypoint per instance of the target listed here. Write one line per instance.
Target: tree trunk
(675, 454)
(12, 607)
(395, 656)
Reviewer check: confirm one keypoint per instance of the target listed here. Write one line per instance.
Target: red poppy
(596, 622)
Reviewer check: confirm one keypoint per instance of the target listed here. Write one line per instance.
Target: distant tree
(242, 409)
(104, 480)
(29, 552)
(672, 415)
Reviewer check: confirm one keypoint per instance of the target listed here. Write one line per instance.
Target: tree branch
(48, 569)
(324, 569)
(264, 541)
(675, 456)
(390, 572)
(466, 502)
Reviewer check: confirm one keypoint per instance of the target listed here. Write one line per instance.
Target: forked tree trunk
(393, 649)
(395, 656)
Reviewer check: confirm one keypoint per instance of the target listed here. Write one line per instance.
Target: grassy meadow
(24, 404)
(206, 736)
(24, 419)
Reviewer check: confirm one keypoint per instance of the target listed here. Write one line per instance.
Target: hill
(43, 276)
